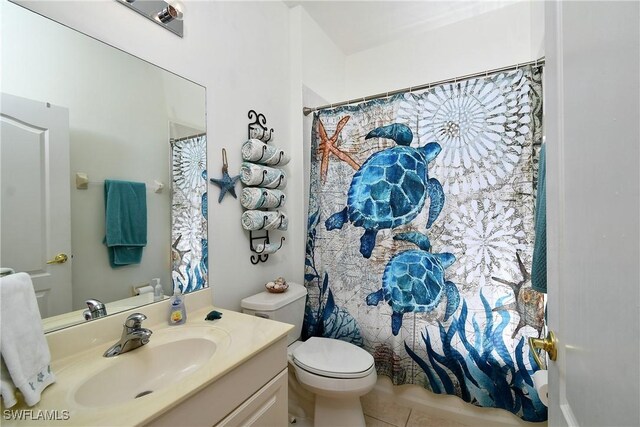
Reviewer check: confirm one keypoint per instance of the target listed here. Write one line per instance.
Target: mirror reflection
(76, 113)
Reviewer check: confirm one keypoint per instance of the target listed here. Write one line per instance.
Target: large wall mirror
(74, 107)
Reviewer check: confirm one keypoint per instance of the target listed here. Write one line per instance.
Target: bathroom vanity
(229, 372)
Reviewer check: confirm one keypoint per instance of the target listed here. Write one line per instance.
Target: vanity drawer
(267, 408)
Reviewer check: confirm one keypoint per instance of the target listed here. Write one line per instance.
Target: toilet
(336, 372)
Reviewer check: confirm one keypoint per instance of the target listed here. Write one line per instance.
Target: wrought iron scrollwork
(258, 129)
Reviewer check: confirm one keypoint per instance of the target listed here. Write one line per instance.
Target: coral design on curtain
(189, 248)
(420, 234)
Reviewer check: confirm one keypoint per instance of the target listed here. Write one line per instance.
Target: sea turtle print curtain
(420, 236)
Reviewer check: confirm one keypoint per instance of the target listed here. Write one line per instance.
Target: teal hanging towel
(539, 264)
(125, 221)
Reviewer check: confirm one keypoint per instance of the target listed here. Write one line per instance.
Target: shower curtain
(420, 236)
(189, 249)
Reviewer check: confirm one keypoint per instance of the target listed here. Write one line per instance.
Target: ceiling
(359, 25)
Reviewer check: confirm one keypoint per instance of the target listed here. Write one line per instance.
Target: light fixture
(167, 14)
(170, 13)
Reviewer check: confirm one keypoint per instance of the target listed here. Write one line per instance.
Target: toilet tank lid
(267, 301)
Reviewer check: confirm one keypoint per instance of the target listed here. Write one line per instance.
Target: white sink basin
(171, 355)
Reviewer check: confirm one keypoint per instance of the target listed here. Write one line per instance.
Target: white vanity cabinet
(252, 394)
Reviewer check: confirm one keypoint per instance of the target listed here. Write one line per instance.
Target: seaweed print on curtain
(189, 214)
(420, 236)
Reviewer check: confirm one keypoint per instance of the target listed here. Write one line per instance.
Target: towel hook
(264, 150)
(264, 176)
(264, 222)
(225, 163)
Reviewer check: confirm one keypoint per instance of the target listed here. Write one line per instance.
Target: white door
(35, 223)
(592, 117)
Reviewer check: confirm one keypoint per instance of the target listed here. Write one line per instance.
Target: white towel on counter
(23, 346)
(262, 176)
(257, 151)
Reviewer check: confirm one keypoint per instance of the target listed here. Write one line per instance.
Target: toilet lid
(333, 358)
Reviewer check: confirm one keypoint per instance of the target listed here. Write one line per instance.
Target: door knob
(59, 259)
(548, 344)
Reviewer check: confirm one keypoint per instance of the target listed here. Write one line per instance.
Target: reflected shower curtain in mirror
(420, 236)
(189, 214)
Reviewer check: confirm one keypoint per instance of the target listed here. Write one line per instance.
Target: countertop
(246, 336)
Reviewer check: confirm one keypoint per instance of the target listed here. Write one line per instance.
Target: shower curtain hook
(225, 164)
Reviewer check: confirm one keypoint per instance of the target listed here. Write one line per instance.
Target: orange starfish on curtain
(327, 146)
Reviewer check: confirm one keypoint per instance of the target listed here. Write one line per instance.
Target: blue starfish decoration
(227, 183)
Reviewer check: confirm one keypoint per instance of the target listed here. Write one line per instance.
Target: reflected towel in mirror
(125, 221)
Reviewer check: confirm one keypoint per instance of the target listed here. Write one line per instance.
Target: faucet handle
(135, 320)
(94, 304)
(96, 309)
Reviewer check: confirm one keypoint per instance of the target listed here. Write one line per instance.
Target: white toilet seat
(334, 387)
(331, 374)
(333, 358)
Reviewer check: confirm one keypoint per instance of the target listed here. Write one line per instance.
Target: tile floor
(382, 413)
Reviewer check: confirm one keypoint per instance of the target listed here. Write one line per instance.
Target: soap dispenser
(158, 292)
(177, 311)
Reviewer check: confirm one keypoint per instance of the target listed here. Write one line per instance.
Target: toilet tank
(287, 307)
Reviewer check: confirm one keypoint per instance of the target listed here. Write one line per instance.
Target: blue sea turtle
(413, 281)
(391, 187)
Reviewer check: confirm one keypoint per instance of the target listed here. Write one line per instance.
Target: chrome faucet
(133, 336)
(96, 309)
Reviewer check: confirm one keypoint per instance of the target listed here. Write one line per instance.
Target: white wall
(321, 62)
(240, 52)
(494, 39)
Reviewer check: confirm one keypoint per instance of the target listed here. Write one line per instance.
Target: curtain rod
(187, 137)
(538, 62)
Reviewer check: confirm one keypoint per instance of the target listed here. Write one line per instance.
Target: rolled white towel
(261, 198)
(257, 151)
(262, 176)
(268, 248)
(264, 220)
